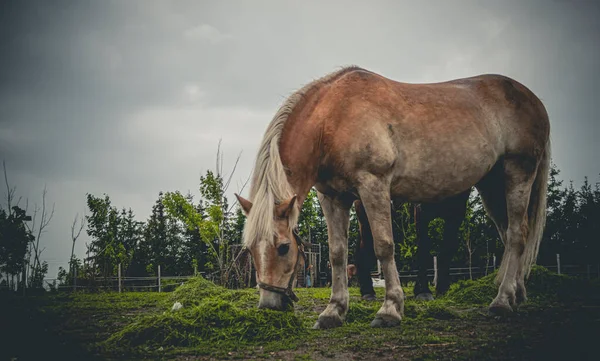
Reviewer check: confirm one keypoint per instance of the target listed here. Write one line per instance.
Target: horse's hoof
(379, 322)
(424, 296)
(500, 309)
(325, 322)
(369, 298)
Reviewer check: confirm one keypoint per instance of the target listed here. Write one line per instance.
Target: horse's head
(276, 258)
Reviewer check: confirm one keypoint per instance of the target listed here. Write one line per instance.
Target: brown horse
(354, 134)
(452, 210)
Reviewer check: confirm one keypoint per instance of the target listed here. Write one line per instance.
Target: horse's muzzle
(273, 301)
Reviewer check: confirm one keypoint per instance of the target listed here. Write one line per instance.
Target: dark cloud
(131, 97)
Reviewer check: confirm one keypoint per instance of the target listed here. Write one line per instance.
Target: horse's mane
(269, 181)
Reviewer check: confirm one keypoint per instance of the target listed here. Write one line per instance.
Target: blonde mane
(269, 181)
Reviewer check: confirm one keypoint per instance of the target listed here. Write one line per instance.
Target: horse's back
(433, 137)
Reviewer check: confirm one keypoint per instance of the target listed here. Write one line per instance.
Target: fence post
(159, 288)
(589, 271)
(24, 278)
(558, 262)
(195, 271)
(74, 278)
(494, 262)
(435, 271)
(119, 278)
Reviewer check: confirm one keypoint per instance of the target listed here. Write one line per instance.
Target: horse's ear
(246, 204)
(284, 209)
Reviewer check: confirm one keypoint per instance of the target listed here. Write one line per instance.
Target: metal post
(435, 271)
(159, 288)
(119, 278)
(494, 262)
(558, 262)
(589, 271)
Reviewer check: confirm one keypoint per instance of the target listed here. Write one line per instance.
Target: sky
(130, 98)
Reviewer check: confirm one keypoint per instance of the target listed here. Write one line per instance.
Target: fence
(161, 283)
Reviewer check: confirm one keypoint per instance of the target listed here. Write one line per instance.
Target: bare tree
(10, 191)
(74, 236)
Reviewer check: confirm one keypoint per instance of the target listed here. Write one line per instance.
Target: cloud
(206, 32)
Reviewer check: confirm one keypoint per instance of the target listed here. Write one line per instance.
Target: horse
(355, 134)
(452, 210)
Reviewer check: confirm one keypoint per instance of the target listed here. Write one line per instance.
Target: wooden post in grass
(159, 288)
(494, 262)
(119, 278)
(435, 271)
(558, 262)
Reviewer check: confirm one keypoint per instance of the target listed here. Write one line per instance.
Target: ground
(561, 321)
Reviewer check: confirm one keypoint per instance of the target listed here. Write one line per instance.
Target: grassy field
(560, 321)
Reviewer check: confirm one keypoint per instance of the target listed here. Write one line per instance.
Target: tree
(19, 243)
(212, 224)
(75, 233)
(105, 227)
(14, 240)
(162, 239)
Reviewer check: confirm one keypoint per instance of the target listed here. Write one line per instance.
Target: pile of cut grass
(210, 315)
(476, 292)
(543, 286)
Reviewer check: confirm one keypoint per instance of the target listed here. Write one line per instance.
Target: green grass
(226, 324)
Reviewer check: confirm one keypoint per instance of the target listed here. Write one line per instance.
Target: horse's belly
(433, 178)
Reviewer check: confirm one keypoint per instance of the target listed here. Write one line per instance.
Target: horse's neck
(299, 151)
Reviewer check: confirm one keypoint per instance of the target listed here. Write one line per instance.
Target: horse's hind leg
(375, 195)
(454, 212)
(365, 254)
(337, 215)
(422, 218)
(519, 177)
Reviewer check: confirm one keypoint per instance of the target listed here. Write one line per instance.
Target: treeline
(181, 235)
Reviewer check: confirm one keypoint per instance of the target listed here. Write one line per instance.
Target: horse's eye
(283, 249)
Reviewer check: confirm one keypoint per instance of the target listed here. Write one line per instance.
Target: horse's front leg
(337, 215)
(375, 195)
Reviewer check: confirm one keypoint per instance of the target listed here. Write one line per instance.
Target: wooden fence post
(119, 278)
(159, 288)
(558, 262)
(494, 262)
(435, 271)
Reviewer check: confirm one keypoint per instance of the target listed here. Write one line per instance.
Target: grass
(225, 324)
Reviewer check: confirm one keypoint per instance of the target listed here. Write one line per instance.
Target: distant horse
(354, 134)
(452, 210)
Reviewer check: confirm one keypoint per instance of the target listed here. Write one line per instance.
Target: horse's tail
(536, 212)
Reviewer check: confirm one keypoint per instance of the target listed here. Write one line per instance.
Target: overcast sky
(131, 97)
